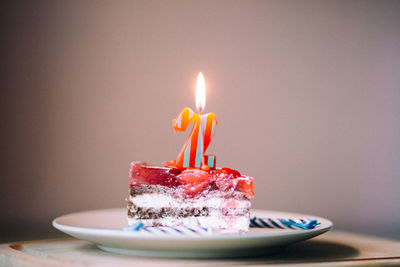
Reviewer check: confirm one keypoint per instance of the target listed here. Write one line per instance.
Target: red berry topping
(194, 181)
(226, 172)
(225, 179)
(141, 173)
(245, 184)
(191, 181)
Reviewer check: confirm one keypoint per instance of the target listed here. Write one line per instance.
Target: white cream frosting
(155, 200)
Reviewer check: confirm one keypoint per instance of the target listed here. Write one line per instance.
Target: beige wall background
(306, 92)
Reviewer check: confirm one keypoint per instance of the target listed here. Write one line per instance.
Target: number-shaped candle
(192, 153)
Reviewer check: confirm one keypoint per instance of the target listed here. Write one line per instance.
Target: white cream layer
(155, 200)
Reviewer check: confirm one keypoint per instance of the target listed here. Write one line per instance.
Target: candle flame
(200, 93)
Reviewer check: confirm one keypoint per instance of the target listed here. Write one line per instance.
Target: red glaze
(225, 179)
(192, 181)
(141, 173)
(226, 172)
(245, 185)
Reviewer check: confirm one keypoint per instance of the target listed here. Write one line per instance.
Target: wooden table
(331, 249)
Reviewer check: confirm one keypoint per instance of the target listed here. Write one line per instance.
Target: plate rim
(119, 233)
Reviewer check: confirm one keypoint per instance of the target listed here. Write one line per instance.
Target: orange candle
(192, 153)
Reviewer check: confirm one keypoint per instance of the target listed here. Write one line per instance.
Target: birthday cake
(165, 196)
(190, 191)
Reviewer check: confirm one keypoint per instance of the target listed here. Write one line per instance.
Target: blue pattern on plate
(255, 222)
(179, 230)
(305, 224)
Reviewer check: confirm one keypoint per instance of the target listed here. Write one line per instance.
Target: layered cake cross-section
(164, 196)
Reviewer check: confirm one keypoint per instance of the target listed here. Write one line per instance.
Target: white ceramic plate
(104, 228)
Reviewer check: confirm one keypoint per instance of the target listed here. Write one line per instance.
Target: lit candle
(192, 153)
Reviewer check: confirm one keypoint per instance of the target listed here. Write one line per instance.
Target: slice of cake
(163, 196)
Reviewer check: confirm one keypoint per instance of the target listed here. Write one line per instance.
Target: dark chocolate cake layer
(156, 213)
